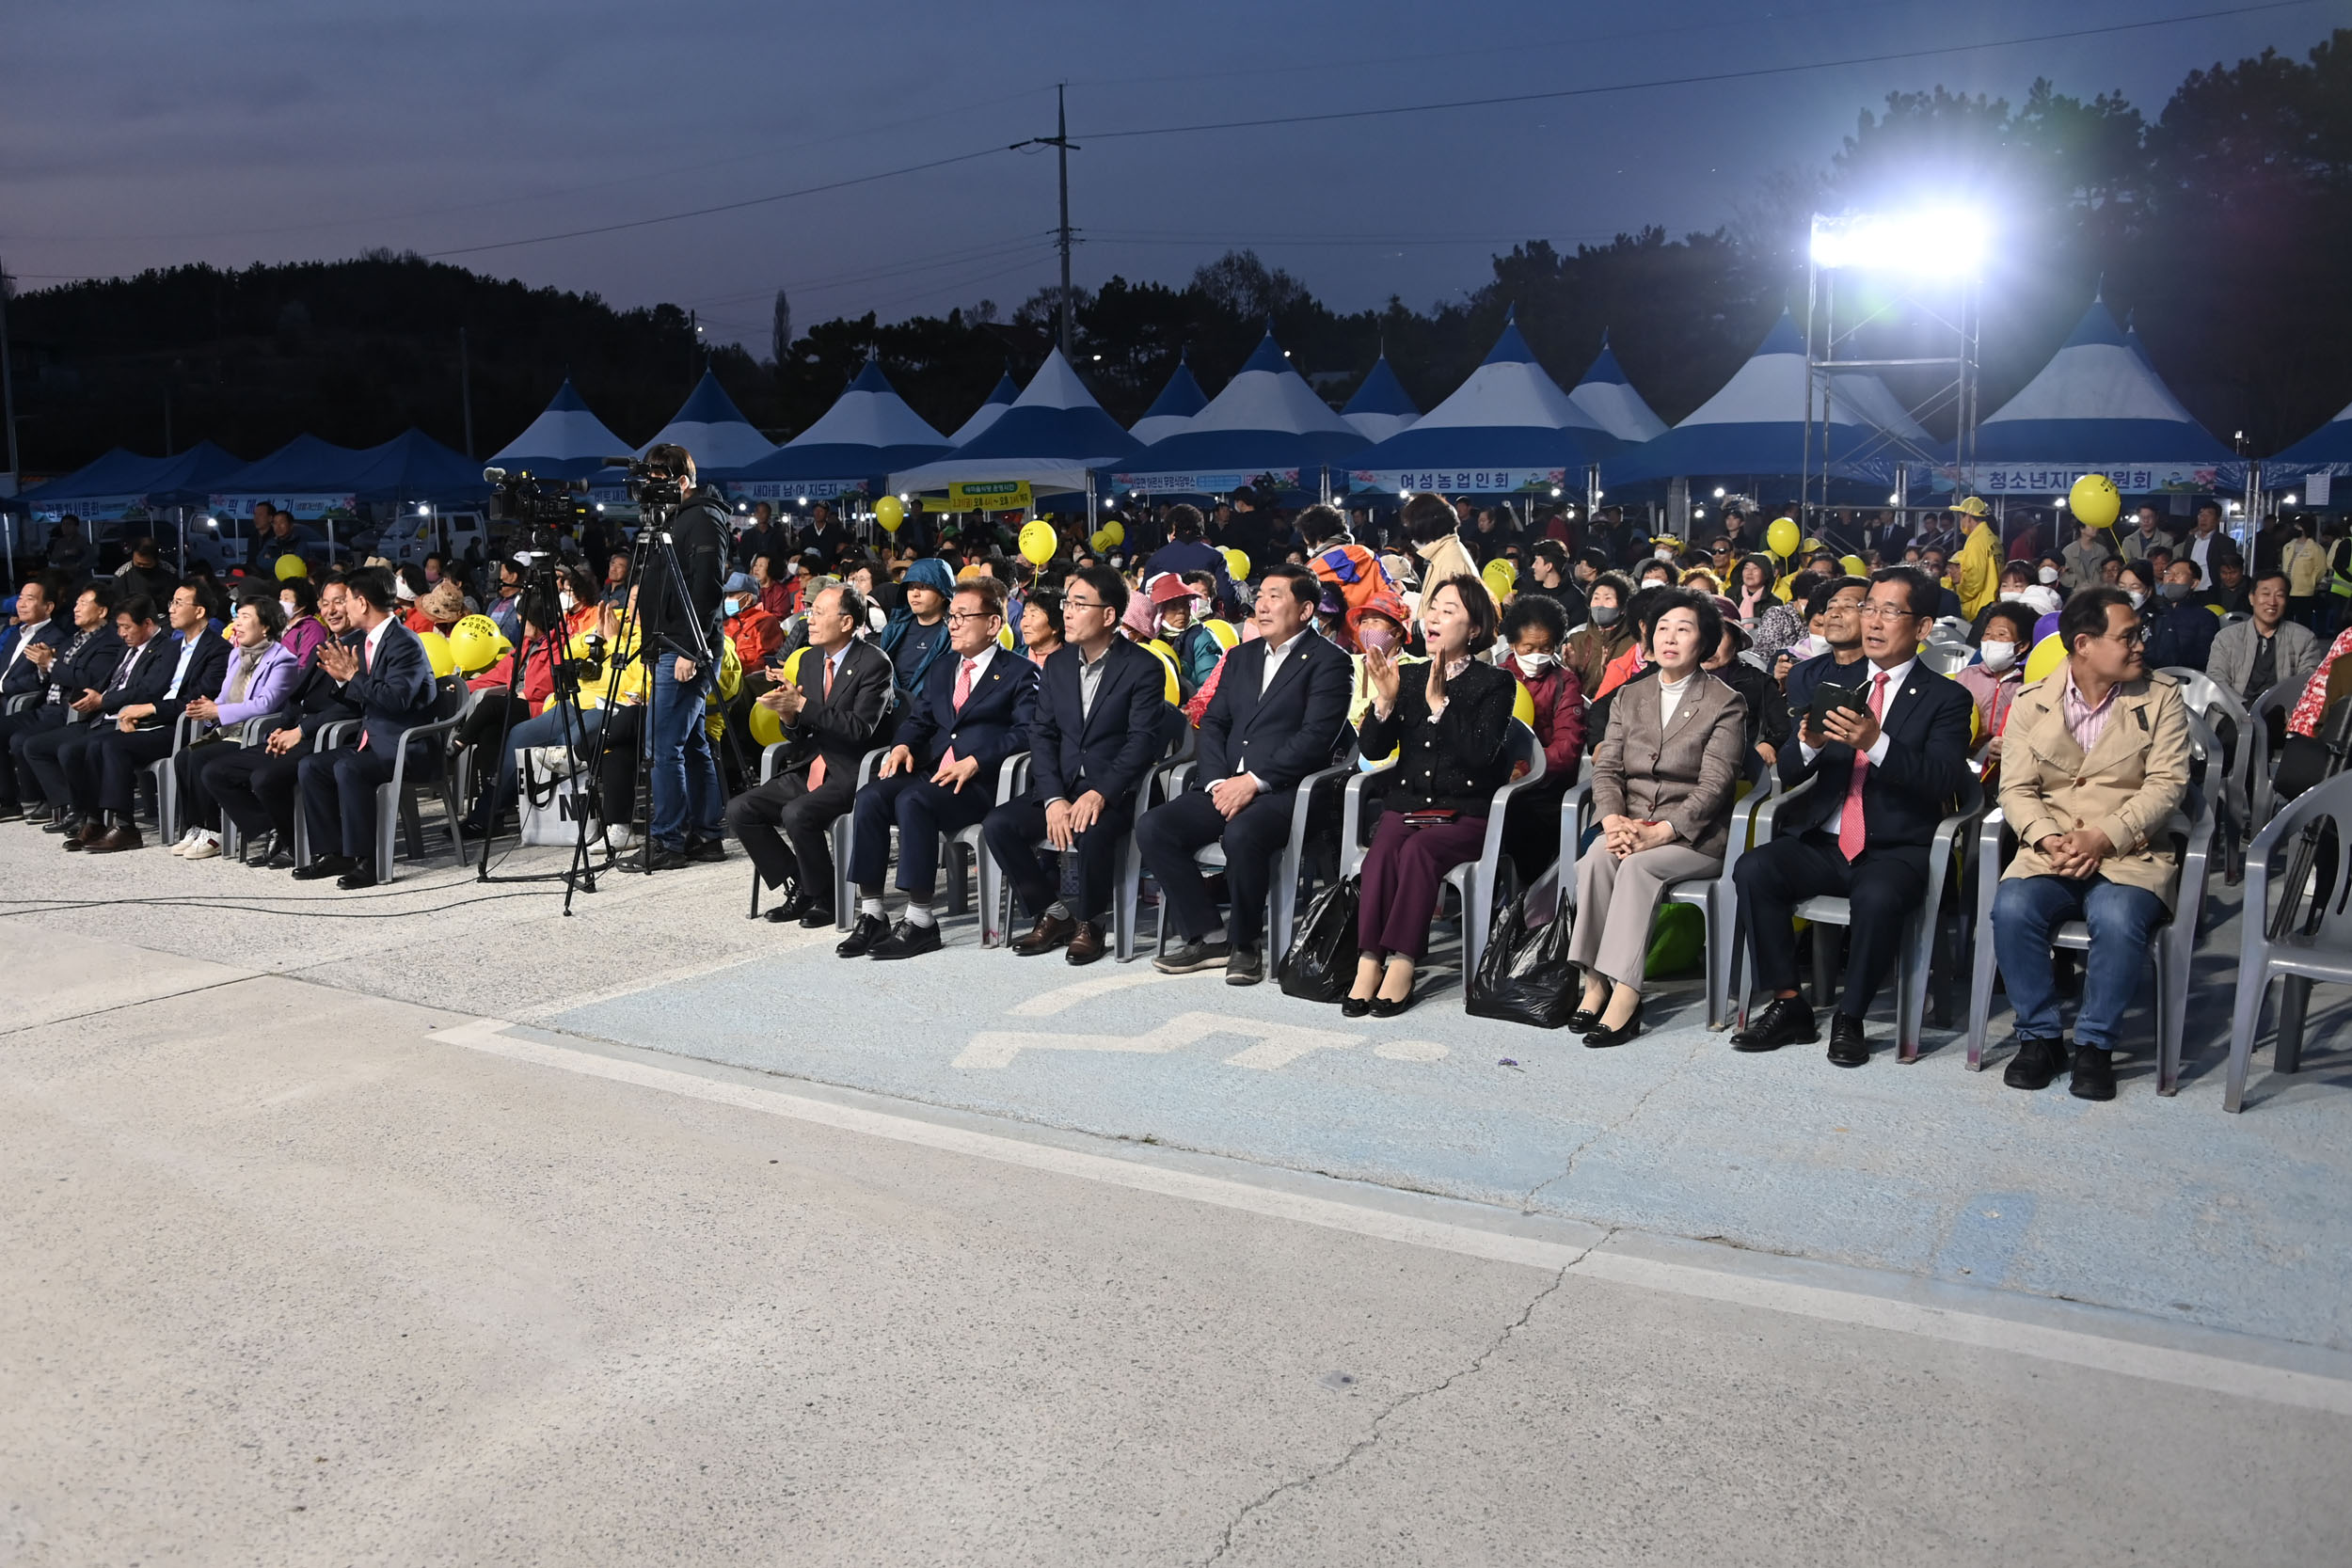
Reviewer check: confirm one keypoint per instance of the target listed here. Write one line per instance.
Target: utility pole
(8, 386)
(693, 349)
(1060, 143)
(465, 388)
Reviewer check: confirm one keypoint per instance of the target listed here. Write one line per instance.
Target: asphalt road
(298, 1274)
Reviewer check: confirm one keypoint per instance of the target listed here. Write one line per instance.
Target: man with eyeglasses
(1885, 765)
(974, 710)
(1098, 729)
(2094, 766)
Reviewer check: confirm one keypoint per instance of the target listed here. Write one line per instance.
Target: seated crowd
(1179, 698)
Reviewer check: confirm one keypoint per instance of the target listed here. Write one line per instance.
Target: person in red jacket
(1534, 626)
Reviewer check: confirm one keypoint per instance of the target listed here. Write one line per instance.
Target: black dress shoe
(1581, 1022)
(789, 909)
(1784, 1020)
(2093, 1077)
(817, 916)
(1244, 967)
(1603, 1037)
(59, 822)
(1193, 957)
(2036, 1062)
(325, 866)
(705, 851)
(907, 940)
(1846, 1048)
(280, 857)
(351, 881)
(1051, 932)
(865, 931)
(1383, 1007)
(1354, 1007)
(1087, 942)
(10, 812)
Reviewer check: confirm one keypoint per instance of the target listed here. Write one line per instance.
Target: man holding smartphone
(1885, 743)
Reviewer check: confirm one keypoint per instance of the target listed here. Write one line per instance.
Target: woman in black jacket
(1449, 733)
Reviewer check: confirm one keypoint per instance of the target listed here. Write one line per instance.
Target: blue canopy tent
(1755, 427)
(868, 433)
(1173, 409)
(1610, 399)
(714, 431)
(565, 442)
(2325, 450)
(999, 398)
(2098, 406)
(123, 485)
(1505, 429)
(111, 483)
(1267, 425)
(1381, 406)
(1051, 436)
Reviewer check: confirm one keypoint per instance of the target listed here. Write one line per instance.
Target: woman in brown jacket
(1662, 783)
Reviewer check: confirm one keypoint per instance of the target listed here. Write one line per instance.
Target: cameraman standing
(680, 631)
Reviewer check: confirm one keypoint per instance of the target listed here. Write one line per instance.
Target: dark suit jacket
(1109, 749)
(993, 724)
(1289, 732)
(1927, 759)
(207, 671)
(145, 680)
(396, 692)
(23, 676)
(1806, 674)
(315, 699)
(841, 727)
(88, 668)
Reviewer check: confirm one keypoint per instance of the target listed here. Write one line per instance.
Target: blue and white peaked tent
(709, 425)
(1053, 433)
(1267, 423)
(1507, 428)
(122, 481)
(1755, 427)
(999, 398)
(2098, 406)
(1381, 406)
(565, 442)
(869, 433)
(1173, 409)
(2325, 450)
(1613, 404)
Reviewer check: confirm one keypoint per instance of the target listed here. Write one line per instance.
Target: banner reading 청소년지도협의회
(2132, 479)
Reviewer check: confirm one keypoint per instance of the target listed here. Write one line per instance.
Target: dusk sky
(138, 136)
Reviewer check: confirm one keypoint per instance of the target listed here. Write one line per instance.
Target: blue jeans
(685, 774)
(2122, 919)
(546, 729)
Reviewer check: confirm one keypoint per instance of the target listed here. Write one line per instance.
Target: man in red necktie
(1884, 762)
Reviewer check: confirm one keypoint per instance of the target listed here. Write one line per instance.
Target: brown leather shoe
(1087, 944)
(114, 840)
(90, 832)
(1046, 935)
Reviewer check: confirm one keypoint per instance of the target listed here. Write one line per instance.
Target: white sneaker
(204, 848)
(187, 841)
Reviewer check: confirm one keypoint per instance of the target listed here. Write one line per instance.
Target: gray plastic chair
(1947, 658)
(2173, 947)
(1283, 891)
(2207, 700)
(395, 803)
(2263, 791)
(2301, 958)
(1917, 962)
(772, 754)
(1126, 861)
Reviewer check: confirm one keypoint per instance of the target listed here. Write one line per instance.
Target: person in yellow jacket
(1978, 564)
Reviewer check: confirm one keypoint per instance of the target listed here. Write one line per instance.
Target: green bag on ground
(1678, 938)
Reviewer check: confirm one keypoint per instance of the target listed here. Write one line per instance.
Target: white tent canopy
(714, 431)
(1051, 436)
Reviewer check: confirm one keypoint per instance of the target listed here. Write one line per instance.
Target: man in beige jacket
(2095, 765)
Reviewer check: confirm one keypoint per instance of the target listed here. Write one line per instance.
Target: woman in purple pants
(1449, 734)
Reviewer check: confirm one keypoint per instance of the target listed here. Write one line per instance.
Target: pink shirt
(2086, 721)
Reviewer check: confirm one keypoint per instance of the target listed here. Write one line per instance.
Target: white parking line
(2184, 1368)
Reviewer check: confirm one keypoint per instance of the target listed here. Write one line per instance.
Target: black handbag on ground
(1525, 974)
(1321, 964)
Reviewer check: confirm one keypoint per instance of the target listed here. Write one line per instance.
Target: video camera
(650, 483)
(538, 506)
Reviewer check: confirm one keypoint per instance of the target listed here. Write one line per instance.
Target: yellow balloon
(1037, 542)
(437, 654)
(765, 726)
(890, 512)
(476, 644)
(1854, 566)
(2047, 654)
(1101, 540)
(1115, 531)
(1500, 577)
(1782, 538)
(1236, 564)
(292, 566)
(2094, 500)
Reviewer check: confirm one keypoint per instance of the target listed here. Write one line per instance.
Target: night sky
(235, 131)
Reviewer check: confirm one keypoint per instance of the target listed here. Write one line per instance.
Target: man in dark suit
(386, 675)
(1096, 734)
(1279, 710)
(256, 787)
(56, 755)
(837, 708)
(103, 774)
(1886, 775)
(974, 711)
(77, 681)
(41, 630)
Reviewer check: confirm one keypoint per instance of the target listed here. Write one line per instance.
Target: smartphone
(1827, 698)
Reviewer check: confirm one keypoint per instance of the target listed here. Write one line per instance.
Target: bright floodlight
(1938, 242)
(2290, 500)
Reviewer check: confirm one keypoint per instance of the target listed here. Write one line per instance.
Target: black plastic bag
(1321, 964)
(1525, 976)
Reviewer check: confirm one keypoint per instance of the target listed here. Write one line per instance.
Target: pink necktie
(817, 768)
(1851, 837)
(964, 690)
(364, 651)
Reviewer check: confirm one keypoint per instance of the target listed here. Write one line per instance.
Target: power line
(1702, 79)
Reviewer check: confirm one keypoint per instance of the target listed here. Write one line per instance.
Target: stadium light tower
(1924, 265)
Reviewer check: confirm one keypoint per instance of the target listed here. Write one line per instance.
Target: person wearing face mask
(1533, 628)
(299, 598)
(1605, 634)
(1998, 674)
(2183, 633)
(757, 634)
(2138, 581)
(1376, 625)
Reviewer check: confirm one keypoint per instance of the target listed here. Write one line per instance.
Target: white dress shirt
(1876, 755)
